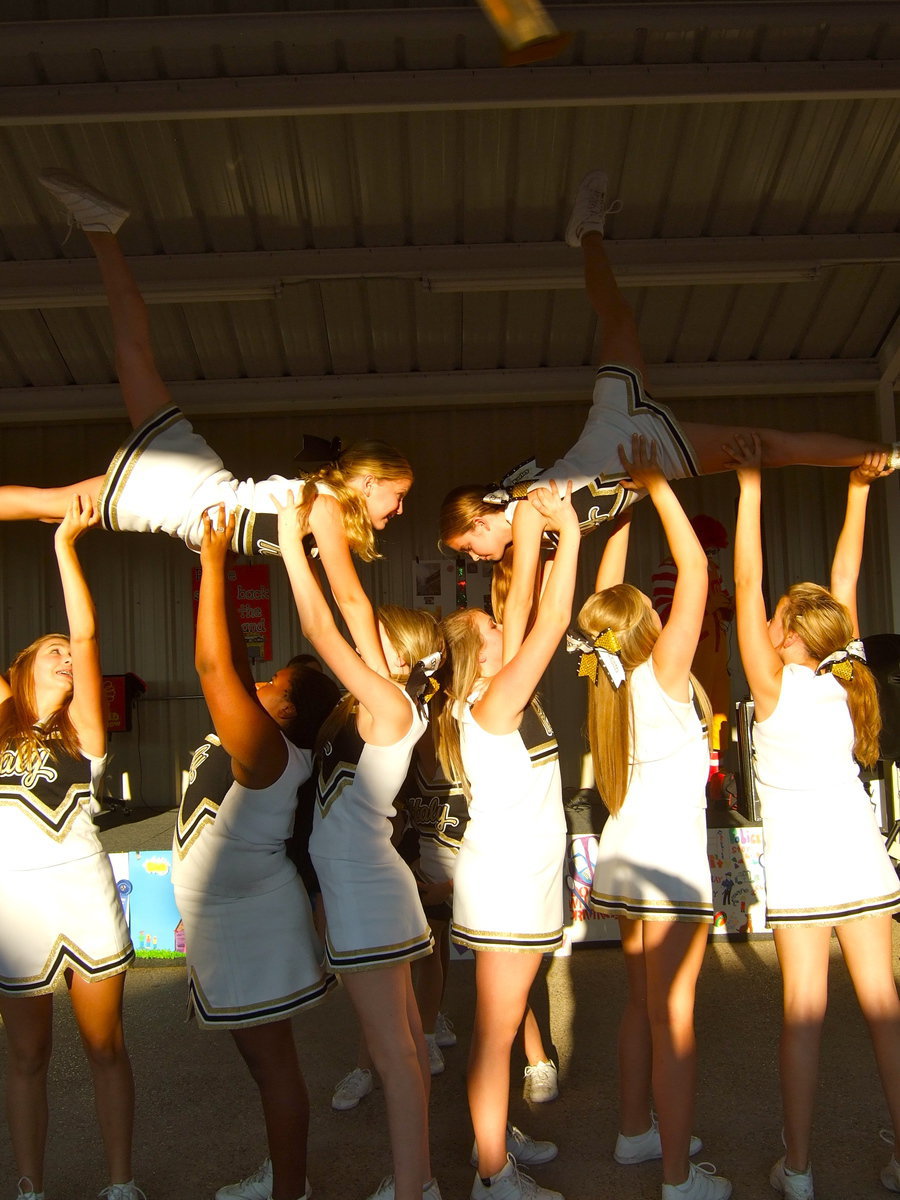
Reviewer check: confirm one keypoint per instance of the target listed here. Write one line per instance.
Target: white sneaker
(524, 1149)
(257, 1186)
(795, 1185)
(385, 1190)
(646, 1146)
(511, 1184)
(443, 1031)
(893, 461)
(541, 1083)
(890, 1176)
(701, 1184)
(88, 208)
(590, 209)
(351, 1089)
(435, 1058)
(122, 1191)
(31, 1194)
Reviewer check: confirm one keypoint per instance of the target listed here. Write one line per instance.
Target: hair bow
(603, 650)
(318, 451)
(840, 662)
(514, 485)
(421, 685)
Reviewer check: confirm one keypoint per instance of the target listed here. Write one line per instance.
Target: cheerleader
(816, 717)
(492, 736)
(62, 916)
(484, 521)
(375, 926)
(651, 761)
(165, 476)
(232, 876)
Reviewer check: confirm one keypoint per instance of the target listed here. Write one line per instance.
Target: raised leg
(803, 958)
(502, 983)
(29, 1033)
(98, 1013)
(19, 503)
(386, 1007)
(618, 328)
(271, 1057)
(780, 448)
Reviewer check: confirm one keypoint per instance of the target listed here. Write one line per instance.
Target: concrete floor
(199, 1124)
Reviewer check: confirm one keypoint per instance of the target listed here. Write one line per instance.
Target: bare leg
(271, 1056)
(532, 1040)
(635, 1045)
(386, 1008)
(673, 955)
(866, 946)
(780, 448)
(618, 328)
(502, 983)
(430, 975)
(142, 387)
(29, 1033)
(803, 958)
(19, 503)
(98, 1013)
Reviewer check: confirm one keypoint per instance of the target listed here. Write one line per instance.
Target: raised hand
(643, 466)
(218, 533)
(555, 507)
(745, 455)
(81, 515)
(874, 466)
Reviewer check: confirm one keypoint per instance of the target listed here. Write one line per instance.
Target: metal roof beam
(408, 91)
(445, 390)
(254, 30)
(75, 283)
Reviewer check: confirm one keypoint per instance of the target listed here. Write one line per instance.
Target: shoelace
(527, 1183)
(707, 1168)
(520, 1138)
(346, 1079)
(887, 1136)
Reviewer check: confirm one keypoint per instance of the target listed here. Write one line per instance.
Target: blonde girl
(816, 717)
(62, 917)
(651, 761)
(165, 476)
(489, 523)
(493, 737)
(375, 926)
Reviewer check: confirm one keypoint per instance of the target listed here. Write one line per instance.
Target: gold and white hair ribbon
(840, 663)
(601, 650)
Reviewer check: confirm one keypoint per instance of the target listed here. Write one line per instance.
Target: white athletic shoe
(122, 1191)
(385, 1190)
(526, 1151)
(894, 457)
(257, 1186)
(443, 1031)
(26, 1190)
(88, 208)
(646, 1146)
(435, 1058)
(351, 1089)
(794, 1185)
(591, 208)
(541, 1083)
(701, 1184)
(890, 1176)
(511, 1184)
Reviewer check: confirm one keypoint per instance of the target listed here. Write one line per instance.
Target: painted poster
(155, 923)
(739, 880)
(252, 598)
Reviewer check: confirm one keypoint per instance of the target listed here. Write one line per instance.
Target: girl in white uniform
(61, 912)
(165, 476)
(374, 920)
(485, 522)
(492, 736)
(816, 711)
(651, 761)
(232, 876)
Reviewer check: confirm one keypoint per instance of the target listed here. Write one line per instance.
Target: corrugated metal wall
(143, 584)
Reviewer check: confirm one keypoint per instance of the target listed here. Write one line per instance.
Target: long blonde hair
(824, 625)
(362, 458)
(460, 508)
(414, 634)
(458, 675)
(19, 715)
(610, 719)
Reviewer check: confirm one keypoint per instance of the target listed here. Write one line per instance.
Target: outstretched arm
(762, 665)
(500, 708)
(615, 553)
(327, 528)
(848, 550)
(386, 705)
(247, 732)
(528, 526)
(86, 708)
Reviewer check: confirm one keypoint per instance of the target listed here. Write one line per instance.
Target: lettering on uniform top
(430, 812)
(201, 754)
(31, 772)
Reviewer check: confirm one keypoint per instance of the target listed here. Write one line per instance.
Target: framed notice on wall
(252, 598)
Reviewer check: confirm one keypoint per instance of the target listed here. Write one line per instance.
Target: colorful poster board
(251, 596)
(144, 881)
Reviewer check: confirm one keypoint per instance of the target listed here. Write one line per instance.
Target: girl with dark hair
(62, 917)
(816, 717)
